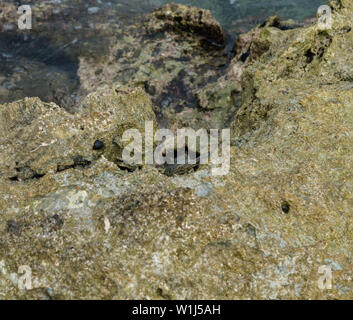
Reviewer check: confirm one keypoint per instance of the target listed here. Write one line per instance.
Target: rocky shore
(88, 227)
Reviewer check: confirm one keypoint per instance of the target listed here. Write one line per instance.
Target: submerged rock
(72, 53)
(182, 50)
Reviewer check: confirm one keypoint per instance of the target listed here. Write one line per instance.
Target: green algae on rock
(182, 50)
(182, 18)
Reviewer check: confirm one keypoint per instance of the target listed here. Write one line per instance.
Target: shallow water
(229, 11)
(44, 61)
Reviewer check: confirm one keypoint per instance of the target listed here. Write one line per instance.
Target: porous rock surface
(260, 232)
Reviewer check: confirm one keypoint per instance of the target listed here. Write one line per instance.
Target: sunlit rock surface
(43, 138)
(262, 231)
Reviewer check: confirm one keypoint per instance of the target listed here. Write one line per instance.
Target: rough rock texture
(73, 51)
(43, 138)
(180, 18)
(242, 15)
(181, 51)
(262, 231)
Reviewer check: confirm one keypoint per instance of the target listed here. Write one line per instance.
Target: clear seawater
(46, 66)
(228, 11)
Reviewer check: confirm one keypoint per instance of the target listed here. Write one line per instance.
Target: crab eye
(98, 144)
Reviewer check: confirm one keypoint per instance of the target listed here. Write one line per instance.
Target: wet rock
(184, 19)
(44, 62)
(182, 51)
